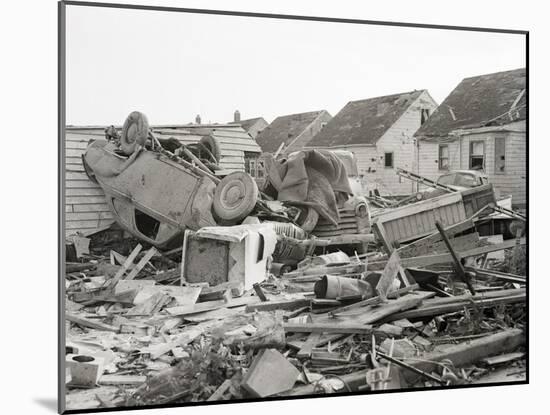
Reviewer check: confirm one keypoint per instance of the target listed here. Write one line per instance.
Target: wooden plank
(415, 208)
(84, 200)
(423, 261)
(87, 224)
(279, 305)
(218, 393)
(307, 347)
(129, 261)
(89, 215)
(116, 380)
(97, 191)
(91, 207)
(210, 305)
(82, 321)
(81, 184)
(503, 358)
(139, 266)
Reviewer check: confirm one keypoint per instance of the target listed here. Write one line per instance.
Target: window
(388, 160)
(500, 155)
(424, 114)
(443, 157)
(252, 165)
(477, 155)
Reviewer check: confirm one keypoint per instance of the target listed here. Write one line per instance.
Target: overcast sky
(173, 66)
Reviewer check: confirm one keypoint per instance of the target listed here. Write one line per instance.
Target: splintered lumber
(459, 268)
(116, 380)
(279, 305)
(503, 358)
(426, 244)
(451, 304)
(82, 321)
(333, 328)
(468, 352)
(76, 266)
(309, 344)
(371, 314)
(218, 393)
(211, 305)
(139, 266)
(423, 261)
(503, 276)
(129, 261)
(389, 274)
(270, 373)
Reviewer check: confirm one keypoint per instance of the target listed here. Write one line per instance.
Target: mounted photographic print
(267, 207)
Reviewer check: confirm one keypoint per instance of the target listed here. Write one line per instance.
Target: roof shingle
(285, 129)
(364, 121)
(480, 101)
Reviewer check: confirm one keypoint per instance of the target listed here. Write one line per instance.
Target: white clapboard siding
(85, 206)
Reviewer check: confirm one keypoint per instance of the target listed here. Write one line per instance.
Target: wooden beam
(82, 321)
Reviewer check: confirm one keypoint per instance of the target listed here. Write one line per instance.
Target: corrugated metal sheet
(85, 205)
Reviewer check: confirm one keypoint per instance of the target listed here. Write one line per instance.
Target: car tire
(134, 132)
(309, 221)
(235, 197)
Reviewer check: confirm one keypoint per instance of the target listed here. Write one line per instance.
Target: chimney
(237, 116)
(198, 119)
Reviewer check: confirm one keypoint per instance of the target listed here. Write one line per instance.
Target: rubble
(264, 308)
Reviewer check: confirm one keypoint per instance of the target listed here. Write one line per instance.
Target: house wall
(513, 181)
(399, 140)
(85, 205)
(428, 159)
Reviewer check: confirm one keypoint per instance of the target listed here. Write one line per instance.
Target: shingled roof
(285, 129)
(485, 100)
(364, 121)
(246, 124)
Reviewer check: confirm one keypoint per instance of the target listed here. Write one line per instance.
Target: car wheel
(235, 196)
(310, 218)
(134, 132)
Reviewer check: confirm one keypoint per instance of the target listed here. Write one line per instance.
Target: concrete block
(269, 374)
(85, 369)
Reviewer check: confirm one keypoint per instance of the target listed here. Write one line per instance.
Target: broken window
(500, 155)
(388, 160)
(250, 163)
(477, 155)
(443, 157)
(424, 114)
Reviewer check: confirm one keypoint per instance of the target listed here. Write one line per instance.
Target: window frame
(392, 160)
(470, 155)
(439, 158)
(503, 138)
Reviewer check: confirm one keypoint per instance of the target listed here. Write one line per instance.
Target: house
(85, 206)
(252, 126)
(379, 131)
(481, 125)
(292, 132)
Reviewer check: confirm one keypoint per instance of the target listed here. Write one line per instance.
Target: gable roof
(285, 129)
(364, 121)
(246, 124)
(493, 99)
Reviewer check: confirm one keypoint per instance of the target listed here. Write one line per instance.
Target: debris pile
(139, 334)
